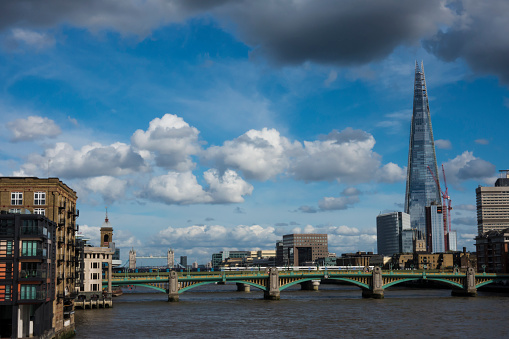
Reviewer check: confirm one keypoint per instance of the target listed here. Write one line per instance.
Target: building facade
(493, 205)
(390, 233)
(435, 229)
(55, 200)
(421, 188)
(304, 249)
(27, 275)
(492, 250)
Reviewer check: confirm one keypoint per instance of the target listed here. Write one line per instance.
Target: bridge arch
(187, 288)
(448, 282)
(299, 281)
(351, 281)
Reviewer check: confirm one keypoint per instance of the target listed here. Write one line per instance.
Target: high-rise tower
(421, 188)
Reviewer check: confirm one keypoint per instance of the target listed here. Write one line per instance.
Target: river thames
(336, 311)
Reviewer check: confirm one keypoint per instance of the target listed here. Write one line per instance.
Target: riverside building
(493, 205)
(421, 188)
(391, 235)
(304, 249)
(53, 199)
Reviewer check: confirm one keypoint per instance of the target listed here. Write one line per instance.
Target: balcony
(33, 274)
(32, 295)
(30, 253)
(39, 231)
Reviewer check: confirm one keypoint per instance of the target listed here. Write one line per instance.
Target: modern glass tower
(421, 188)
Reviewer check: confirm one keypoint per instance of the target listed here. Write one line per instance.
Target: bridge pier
(272, 292)
(311, 285)
(376, 291)
(469, 289)
(173, 287)
(243, 287)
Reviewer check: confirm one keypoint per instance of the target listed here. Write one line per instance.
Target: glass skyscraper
(421, 189)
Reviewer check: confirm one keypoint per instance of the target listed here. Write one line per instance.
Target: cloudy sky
(214, 125)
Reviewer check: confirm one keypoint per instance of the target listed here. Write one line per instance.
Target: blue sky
(207, 126)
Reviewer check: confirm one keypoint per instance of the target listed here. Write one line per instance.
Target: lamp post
(483, 269)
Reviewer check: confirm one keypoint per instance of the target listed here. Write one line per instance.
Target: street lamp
(484, 268)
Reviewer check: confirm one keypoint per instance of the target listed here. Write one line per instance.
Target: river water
(336, 311)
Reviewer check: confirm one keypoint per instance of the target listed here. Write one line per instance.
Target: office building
(421, 188)
(304, 249)
(435, 241)
(492, 249)
(391, 238)
(183, 261)
(27, 275)
(493, 205)
(51, 198)
(453, 241)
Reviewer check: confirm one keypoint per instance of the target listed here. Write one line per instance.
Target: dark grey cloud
(470, 221)
(476, 169)
(347, 135)
(290, 32)
(280, 224)
(465, 207)
(307, 209)
(478, 35)
(336, 32)
(294, 32)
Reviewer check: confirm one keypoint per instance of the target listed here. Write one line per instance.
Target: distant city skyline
(224, 125)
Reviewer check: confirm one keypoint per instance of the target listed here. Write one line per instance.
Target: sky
(222, 125)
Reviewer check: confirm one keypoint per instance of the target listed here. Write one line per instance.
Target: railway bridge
(272, 281)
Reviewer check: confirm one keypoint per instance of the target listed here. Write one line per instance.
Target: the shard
(421, 188)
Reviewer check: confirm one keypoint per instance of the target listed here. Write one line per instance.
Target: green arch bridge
(272, 281)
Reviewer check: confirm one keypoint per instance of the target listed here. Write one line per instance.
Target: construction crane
(446, 206)
(449, 202)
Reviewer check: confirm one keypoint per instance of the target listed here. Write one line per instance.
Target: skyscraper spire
(421, 188)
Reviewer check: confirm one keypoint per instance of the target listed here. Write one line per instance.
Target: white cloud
(341, 203)
(228, 188)
(33, 39)
(110, 188)
(333, 75)
(259, 155)
(443, 144)
(89, 161)
(218, 237)
(33, 128)
(346, 156)
(183, 188)
(482, 141)
(344, 230)
(468, 167)
(173, 141)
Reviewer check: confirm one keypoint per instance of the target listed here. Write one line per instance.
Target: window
(41, 211)
(27, 292)
(39, 198)
(95, 265)
(16, 198)
(32, 249)
(14, 210)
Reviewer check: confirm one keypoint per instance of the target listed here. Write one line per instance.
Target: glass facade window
(32, 249)
(421, 188)
(16, 198)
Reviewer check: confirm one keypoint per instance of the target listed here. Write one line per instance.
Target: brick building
(52, 198)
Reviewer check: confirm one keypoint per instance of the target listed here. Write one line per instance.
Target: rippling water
(215, 311)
